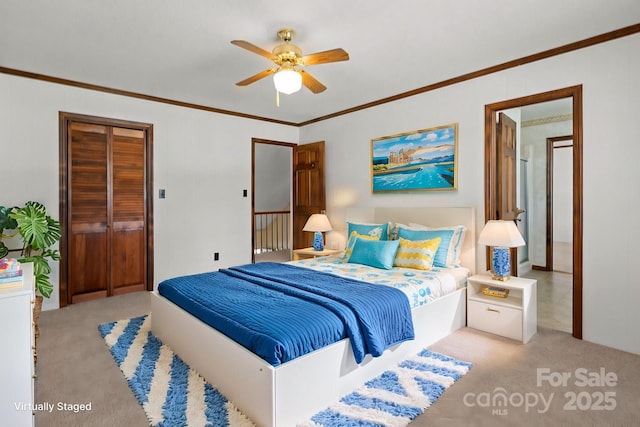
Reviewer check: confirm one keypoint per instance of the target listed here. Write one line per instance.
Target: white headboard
(430, 216)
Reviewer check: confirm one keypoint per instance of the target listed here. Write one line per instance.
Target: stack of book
(493, 291)
(10, 273)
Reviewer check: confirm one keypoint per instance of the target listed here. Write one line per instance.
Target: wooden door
(105, 209)
(128, 243)
(507, 160)
(308, 189)
(506, 179)
(88, 217)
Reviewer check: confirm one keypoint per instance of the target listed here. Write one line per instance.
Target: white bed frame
(292, 392)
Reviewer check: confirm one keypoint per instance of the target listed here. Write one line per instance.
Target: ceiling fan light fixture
(287, 81)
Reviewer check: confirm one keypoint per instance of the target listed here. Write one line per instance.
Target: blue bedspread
(280, 311)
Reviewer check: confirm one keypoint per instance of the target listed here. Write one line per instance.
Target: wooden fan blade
(253, 48)
(255, 78)
(333, 55)
(311, 83)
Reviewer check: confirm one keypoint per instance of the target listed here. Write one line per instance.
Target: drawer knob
(493, 310)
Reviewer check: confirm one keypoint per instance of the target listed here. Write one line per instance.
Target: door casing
(64, 119)
(307, 187)
(549, 238)
(490, 182)
(255, 141)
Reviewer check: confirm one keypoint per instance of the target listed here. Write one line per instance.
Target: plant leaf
(44, 286)
(39, 231)
(41, 271)
(54, 232)
(32, 225)
(6, 222)
(3, 250)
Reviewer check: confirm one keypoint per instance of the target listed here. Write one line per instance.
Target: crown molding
(591, 41)
(547, 120)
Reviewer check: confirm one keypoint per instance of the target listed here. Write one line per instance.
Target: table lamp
(501, 235)
(317, 223)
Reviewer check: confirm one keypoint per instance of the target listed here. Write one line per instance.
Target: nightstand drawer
(496, 319)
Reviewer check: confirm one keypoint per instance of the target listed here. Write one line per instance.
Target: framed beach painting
(422, 160)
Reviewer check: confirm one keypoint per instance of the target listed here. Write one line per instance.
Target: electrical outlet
(216, 256)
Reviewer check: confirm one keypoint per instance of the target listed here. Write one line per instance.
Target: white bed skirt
(292, 392)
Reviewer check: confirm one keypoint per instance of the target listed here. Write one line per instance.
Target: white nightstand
(514, 317)
(312, 253)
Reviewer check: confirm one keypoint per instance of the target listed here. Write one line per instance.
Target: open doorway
(574, 94)
(271, 200)
(549, 192)
(559, 242)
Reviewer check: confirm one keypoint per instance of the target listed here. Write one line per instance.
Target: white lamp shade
(317, 222)
(287, 81)
(501, 233)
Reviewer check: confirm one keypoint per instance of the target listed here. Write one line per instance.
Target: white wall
(562, 195)
(273, 165)
(203, 160)
(609, 74)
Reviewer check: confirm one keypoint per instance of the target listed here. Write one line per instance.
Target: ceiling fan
(288, 76)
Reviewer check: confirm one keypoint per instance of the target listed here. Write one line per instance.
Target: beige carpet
(75, 367)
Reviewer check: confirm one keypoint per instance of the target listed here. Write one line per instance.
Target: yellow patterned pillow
(352, 241)
(416, 254)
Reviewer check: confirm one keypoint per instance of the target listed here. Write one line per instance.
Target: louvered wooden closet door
(107, 230)
(128, 242)
(88, 221)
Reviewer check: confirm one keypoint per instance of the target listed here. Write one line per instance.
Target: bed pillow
(448, 254)
(352, 241)
(418, 254)
(375, 230)
(453, 253)
(375, 253)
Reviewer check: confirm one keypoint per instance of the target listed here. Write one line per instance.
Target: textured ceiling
(181, 50)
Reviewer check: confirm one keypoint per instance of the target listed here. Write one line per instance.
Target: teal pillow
(375, 253)
(446, 242)
(352, 241)
(381, 231)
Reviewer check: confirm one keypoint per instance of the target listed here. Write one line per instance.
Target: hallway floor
(555, 299)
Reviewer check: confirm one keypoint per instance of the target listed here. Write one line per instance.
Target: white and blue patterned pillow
(381, 231)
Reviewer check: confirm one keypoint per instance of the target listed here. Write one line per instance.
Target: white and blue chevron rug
(172, 394)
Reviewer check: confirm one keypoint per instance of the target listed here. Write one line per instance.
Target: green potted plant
(39, 232)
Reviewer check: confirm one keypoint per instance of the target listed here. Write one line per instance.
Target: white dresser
(16, 352)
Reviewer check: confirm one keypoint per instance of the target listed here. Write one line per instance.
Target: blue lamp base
(501, 264)
(318, 241)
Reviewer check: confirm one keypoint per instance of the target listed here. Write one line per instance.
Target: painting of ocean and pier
(421, 160)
